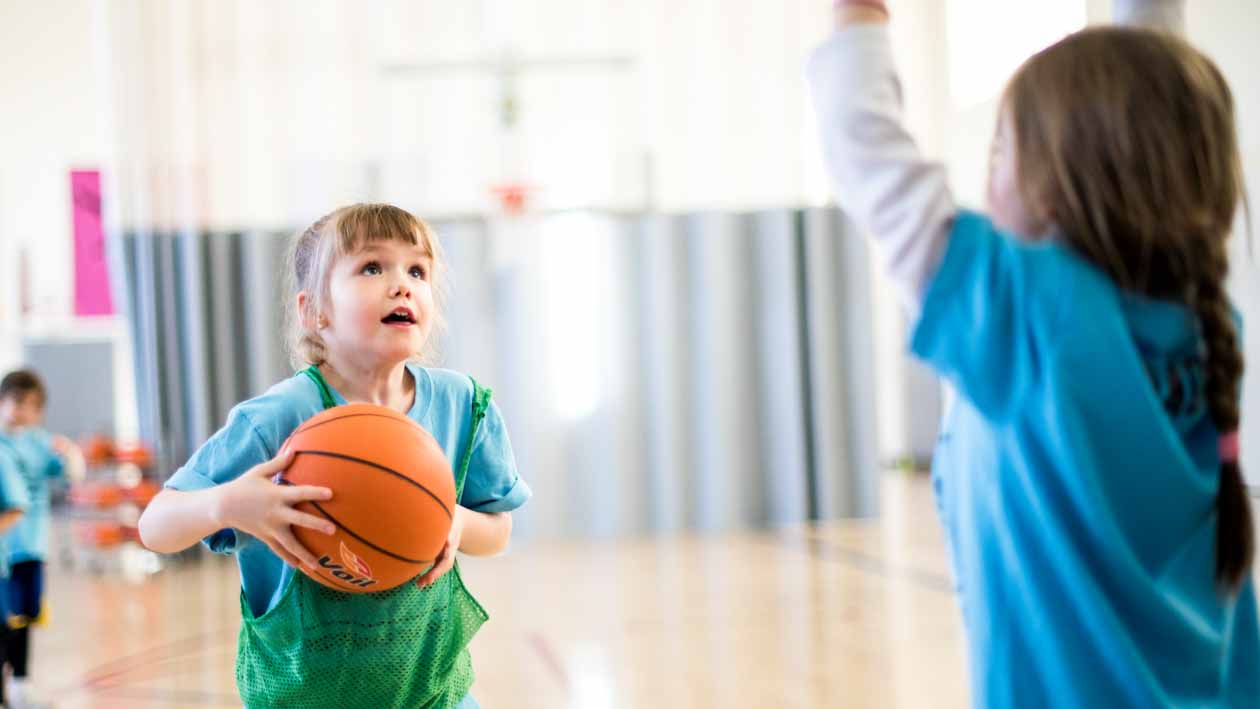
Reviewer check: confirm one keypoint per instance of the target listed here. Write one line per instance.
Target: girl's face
(1006, 206)
(380, 306)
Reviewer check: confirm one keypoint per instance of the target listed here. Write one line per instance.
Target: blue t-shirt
(38, 464)
(257, 428)
(1080, 512)
(13, 495)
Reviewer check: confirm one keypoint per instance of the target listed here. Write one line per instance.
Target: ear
(311, 321)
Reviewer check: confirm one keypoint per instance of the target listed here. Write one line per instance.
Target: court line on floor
(550, 658)
(97, 679)
(828, 551)
(168, 696)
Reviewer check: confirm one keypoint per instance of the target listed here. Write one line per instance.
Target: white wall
(271, 112)
(1226, 31)
(50, 125)
(267, 113)
(55, 121)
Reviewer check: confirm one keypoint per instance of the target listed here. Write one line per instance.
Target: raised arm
(880, 178)
(1167, 15)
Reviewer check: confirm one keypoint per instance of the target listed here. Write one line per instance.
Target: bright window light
(989, 39)
(576, 274)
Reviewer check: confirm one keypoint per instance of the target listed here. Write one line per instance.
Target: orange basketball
(393, 496)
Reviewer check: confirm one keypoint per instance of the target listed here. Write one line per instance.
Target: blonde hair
(340, 233)
(1125, 141)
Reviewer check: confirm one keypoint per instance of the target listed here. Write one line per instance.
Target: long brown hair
(1125, 142)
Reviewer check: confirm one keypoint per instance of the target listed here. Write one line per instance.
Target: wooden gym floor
(854, 614)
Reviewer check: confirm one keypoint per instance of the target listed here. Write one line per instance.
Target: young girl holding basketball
(1087, 477)
(366, 285)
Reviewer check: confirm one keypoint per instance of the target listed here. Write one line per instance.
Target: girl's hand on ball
(256, 505)
(446, 559)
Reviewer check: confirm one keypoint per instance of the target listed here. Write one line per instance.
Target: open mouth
(400, 316)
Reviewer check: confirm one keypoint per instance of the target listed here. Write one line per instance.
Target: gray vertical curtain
(743, 362)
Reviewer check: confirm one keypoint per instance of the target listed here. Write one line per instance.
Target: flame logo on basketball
(352, 561)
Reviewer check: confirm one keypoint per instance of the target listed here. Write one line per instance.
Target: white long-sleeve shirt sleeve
(881, 180)
(1167, 15)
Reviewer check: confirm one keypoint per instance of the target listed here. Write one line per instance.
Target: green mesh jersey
(403, 648)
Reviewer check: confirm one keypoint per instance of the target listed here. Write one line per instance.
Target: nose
(401, 288)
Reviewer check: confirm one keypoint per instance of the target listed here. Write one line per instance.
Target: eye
(371, 268)
(417, 272)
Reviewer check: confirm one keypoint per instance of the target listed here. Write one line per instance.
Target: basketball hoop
(512, 197)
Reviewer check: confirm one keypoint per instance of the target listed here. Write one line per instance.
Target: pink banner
(91, 270)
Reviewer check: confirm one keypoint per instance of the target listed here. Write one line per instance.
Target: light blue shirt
(39, 465)
(1080, 513)
(256, 429)
(13, 495)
